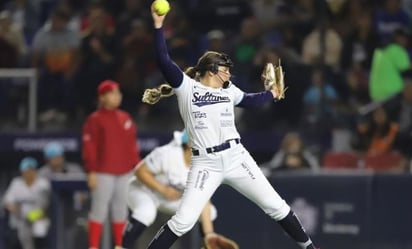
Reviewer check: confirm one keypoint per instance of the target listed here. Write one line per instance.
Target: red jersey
(109, 142)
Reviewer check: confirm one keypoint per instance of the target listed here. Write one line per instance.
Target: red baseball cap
(107, 86)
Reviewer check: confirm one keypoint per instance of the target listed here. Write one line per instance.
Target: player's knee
(181, 225)
(278, 212)
(98, 213)
(119, 213)
(146, 217)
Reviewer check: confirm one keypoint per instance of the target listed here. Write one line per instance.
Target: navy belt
(217, 148)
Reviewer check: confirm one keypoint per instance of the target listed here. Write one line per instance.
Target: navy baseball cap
(53, 149)
(28, 163)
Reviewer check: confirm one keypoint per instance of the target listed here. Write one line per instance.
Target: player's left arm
(242, 99)
(255, 99)
(273, 81)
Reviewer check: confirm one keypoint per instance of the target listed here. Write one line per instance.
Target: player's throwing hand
(157, 19)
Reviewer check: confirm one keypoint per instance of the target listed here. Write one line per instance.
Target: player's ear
(210, 73)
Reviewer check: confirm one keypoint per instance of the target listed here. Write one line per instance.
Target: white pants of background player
(234, 167)
(144, 204)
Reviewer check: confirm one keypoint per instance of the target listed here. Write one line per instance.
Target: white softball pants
(144, 204)
(234, 167)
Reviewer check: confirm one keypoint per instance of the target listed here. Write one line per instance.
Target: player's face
(29, 175)
(224, 73)
(112, 99)
(56, 162)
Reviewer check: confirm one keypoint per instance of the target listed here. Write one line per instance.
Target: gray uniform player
(206, 101)
(157, 185)
(56, 167)
(27, 199)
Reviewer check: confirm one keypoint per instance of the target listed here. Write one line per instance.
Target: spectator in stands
(53, 54)
(136, 62)
(376, 134)
(292, 156)
(360, 43)
(356, 60)
(216, 41)
(12, 34)
(270, 13)
(320, 101)
(403, 114)
(27, 201)
(97, 9)
(56, 165)
(347, 15)
(388, 64)
(221, 14)
(245, 47)
(304, 15)
(134, 10)
(323, 46)
(96, 59)
(25, 14)
(389, 18)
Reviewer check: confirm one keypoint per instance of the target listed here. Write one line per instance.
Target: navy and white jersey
(208, 112)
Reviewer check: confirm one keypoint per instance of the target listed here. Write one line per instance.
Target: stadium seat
(391, 161)
(340, 160)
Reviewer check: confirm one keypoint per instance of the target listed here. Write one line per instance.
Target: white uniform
(208, 114)
(168, 166)
(28, 198)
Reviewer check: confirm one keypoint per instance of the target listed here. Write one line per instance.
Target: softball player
(56, 164)
(27, 199)
(159, 180)
(110, 153)
(206, 100)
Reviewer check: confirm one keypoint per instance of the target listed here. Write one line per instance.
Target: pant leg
(25, 235)
(204, 178)
(101, 196)
(118, 202)
(245, 176)
(142, 205)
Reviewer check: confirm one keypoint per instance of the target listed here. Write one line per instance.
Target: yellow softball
(161, 7)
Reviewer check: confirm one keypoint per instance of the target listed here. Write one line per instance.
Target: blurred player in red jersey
(110, 153)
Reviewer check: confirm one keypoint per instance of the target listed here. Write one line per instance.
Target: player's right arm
(9, 202)
(89, 150)
(147, 178)
(172, 73)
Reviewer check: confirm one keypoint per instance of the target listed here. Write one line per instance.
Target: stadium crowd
(339, 56)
